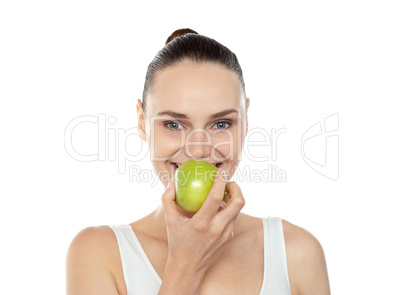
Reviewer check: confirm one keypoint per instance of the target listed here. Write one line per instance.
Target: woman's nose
(198, 144)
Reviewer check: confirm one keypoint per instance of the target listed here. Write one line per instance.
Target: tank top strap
(139, 275)
(276, 278)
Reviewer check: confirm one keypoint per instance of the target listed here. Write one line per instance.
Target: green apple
(193, 181)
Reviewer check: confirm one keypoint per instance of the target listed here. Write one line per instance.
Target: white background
(302, 61)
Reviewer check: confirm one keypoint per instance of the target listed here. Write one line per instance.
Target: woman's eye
(176, 126)
(173, 125)
(222, 125)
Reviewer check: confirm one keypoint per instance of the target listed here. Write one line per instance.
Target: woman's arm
(180, 280)
(87, 265)
(306, 262)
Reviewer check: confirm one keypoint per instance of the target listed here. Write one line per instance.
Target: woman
(194, 106)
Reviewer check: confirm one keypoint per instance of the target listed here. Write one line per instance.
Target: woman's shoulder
(92, 255)
(301, 245)
(95, 241)
(297, 236)
(95, 238)
(305, 259)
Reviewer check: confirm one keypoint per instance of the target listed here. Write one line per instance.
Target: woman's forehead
(195, 87)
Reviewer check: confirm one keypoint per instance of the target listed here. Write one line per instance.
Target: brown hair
(185, 44)
(179, 33)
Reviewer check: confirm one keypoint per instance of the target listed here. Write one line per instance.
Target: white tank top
(142, 279)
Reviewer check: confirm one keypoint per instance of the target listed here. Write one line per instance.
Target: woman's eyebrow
(183, 116)
(222, 113)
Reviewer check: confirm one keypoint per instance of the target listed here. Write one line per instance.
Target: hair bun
(179, 33)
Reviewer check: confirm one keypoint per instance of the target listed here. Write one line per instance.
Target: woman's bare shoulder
(298, 236)
(306, 261)
(94, 238)
(89, 261)
(92, 232)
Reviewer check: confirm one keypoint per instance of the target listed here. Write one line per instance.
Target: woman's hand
(196, 243)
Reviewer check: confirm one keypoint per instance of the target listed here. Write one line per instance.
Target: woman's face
(194, 111)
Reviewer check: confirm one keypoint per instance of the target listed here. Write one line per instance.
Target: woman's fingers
(226, 205)
(235, 203)
(215, 197)
(169, 203)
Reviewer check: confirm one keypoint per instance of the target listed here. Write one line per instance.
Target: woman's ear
(141, 121)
